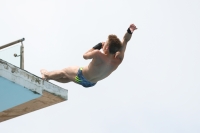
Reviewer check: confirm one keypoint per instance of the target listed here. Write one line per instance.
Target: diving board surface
(22, 92)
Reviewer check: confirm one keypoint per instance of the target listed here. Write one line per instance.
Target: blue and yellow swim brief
(80, 79)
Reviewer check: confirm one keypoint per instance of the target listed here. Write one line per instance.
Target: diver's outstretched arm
(125, 40)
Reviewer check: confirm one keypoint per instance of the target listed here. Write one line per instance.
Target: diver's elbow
(85, 57)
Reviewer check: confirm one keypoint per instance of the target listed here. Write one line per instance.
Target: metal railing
(21, 50)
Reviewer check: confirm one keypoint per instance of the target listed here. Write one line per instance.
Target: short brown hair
(114, 44)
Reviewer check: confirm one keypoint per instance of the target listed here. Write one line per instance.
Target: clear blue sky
(155, 90)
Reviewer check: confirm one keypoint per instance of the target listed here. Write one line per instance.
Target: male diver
(106, 57)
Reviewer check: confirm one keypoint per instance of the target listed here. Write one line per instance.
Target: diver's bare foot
(43, 73)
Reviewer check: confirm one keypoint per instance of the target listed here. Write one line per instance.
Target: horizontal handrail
(12, 43)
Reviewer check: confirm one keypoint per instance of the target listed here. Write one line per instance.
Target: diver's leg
(64, 76)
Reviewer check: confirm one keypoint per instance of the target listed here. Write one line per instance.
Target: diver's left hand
(132, 27)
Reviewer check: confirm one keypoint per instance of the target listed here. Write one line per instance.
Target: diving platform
(22, 92)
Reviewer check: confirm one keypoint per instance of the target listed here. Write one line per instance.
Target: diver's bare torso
(100, 67)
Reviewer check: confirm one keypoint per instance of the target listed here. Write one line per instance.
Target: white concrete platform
(22, 92)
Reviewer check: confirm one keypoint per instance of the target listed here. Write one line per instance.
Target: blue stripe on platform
(12, 94)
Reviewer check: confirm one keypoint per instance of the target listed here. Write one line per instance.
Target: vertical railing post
(22, 56)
